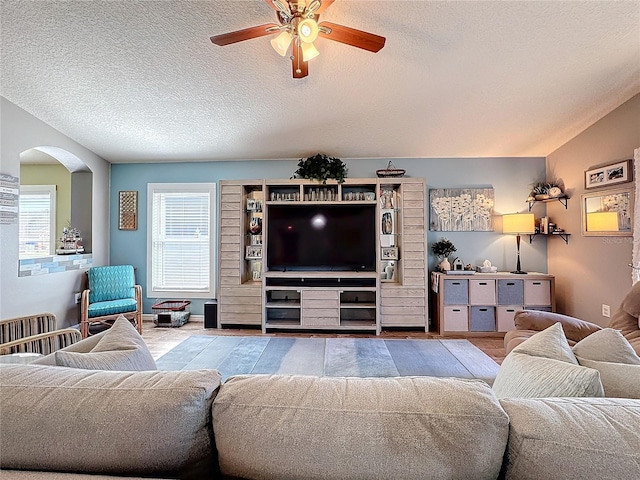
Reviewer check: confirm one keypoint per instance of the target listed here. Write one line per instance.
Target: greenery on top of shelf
(321, 167)
(546, 188)
(443, 248)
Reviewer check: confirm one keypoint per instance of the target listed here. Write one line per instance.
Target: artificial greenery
(321, 167)
(443, 248)
(542, 188)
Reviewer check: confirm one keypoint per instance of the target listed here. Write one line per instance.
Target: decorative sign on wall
(128, 210)
(9, 196)
(461, 209)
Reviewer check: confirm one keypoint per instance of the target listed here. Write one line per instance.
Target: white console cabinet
(484, 304)
(392, 294)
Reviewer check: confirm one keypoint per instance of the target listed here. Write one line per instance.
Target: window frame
(51, 190)
(210, 188)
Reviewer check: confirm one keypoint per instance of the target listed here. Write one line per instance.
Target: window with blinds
(180, 240)
(37, 221)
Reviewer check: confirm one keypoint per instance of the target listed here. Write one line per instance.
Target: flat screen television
(321, 238)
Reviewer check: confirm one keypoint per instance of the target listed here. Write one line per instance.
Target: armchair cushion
(111, 307)
(111, 283)
(574, 328)
(120, 348)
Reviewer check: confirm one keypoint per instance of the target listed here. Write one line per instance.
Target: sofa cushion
(549, 343)
(135, 423)
(619, 380)
(607, 345)
(527, 376)
(585, 438)
(296, 427)
(120, 348)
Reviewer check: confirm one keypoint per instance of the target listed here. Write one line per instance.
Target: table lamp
(518, 224)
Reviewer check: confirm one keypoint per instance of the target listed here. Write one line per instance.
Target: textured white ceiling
(140, 81)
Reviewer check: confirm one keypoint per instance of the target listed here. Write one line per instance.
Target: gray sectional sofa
(164, 424)
(100, 407)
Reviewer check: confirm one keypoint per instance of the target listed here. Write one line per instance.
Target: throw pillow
(120, 348)
(618, 379)
(549, 343)
(606, 345)
(529, 376)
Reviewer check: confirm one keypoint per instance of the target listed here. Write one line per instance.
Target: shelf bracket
(564, 236)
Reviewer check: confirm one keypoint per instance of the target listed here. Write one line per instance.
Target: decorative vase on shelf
(444, 265)
(388, 270)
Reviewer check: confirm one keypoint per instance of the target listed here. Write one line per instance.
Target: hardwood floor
(161, 340)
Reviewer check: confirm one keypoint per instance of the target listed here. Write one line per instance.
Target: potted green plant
(442, 249)
(321, 167)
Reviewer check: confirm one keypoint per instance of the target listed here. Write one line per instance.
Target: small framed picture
(607, 175)
(389, 253)
(253, 252)
(251, 204)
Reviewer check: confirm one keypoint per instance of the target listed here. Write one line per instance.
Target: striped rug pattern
(333, 357)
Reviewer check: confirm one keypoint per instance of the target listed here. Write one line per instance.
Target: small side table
(20, 358)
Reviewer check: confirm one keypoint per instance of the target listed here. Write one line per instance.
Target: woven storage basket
(171, 313)
(391, 171)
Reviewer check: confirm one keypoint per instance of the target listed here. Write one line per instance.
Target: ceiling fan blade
(325, 4)
(246, 34)
(300, 67)
(353, 37)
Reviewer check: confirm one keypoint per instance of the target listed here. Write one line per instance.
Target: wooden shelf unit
(395, 295)
(484, 304)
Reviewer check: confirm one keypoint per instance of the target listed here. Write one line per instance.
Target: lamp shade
(602, 222)
(281, 43)
(308, 30)
(309, 51)
(518, 223)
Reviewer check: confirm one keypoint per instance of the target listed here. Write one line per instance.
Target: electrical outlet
(77, 296)
(606, 310)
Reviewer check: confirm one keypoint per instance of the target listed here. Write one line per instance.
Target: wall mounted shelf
(562, 235)
(562, 200)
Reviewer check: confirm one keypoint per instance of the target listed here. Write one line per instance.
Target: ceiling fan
(298, 26)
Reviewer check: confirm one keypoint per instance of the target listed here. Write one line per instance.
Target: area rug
(331, 357)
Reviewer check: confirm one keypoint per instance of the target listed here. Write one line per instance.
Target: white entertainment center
(365, 279)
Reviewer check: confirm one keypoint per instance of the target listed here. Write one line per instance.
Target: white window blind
(37, 221)
(181, 240)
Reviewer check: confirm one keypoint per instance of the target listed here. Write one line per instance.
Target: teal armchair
(112, 292)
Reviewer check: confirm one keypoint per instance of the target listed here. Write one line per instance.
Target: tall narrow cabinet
(392, 294)
(240, 269)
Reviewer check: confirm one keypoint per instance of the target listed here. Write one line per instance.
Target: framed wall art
(128, 210)
(607, 213)
(461, 209)
(608, 175)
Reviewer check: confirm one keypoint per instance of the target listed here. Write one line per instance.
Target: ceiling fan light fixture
(281, 43)
(308, 30)
(309, 51)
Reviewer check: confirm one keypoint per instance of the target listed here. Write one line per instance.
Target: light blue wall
(510, 178)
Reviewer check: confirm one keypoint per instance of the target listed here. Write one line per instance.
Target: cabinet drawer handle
(537, 283)
(455, 283)
(510, 310)
(456, 309)
(482, 283)
(482, 309)
(511, 283)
